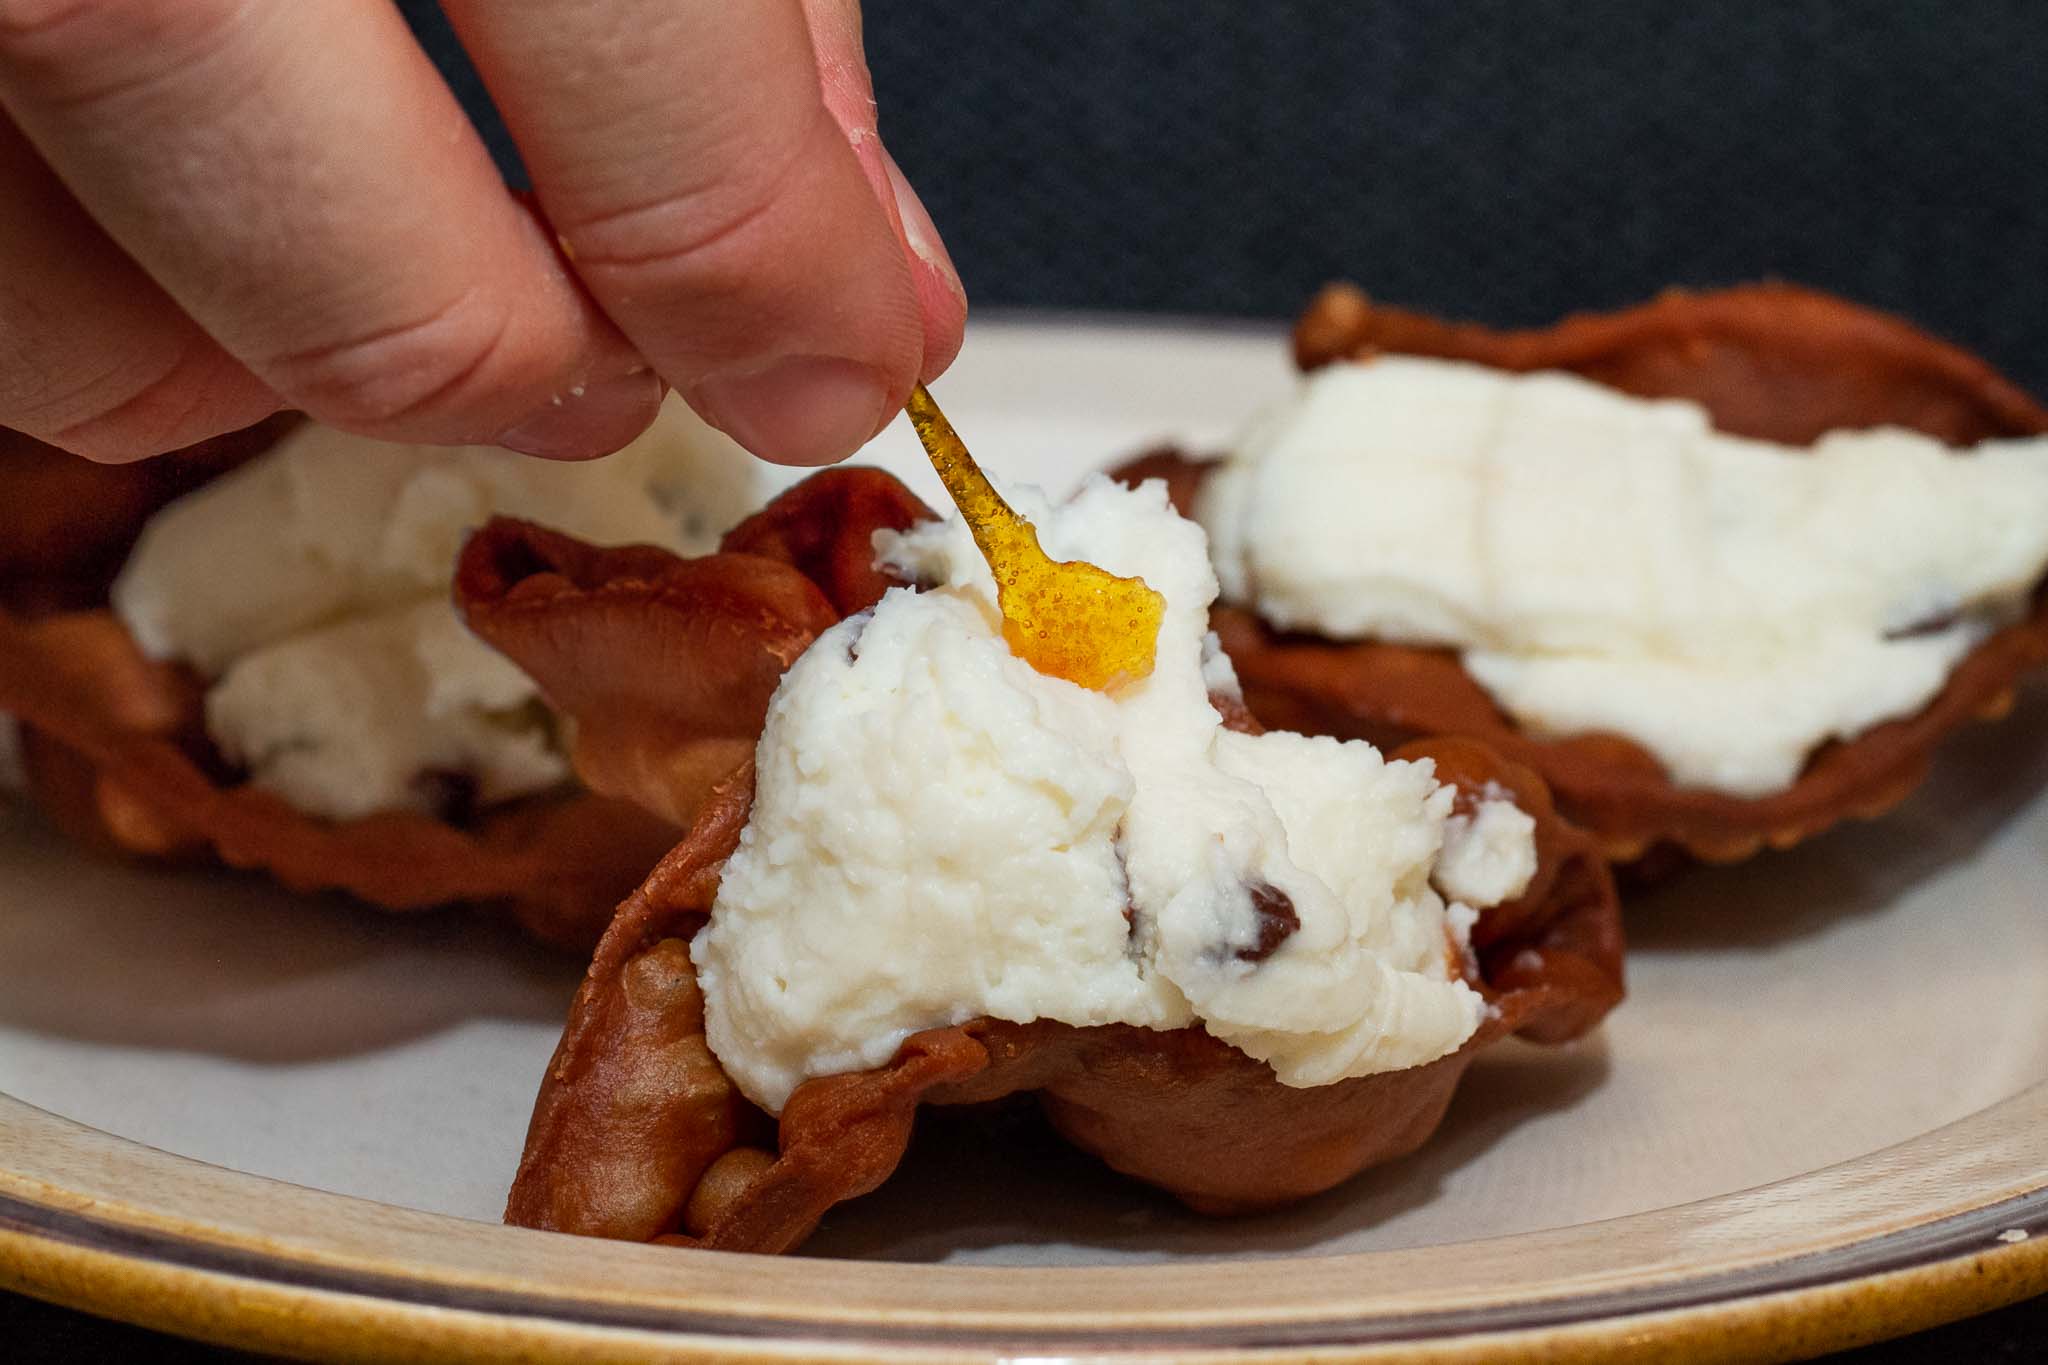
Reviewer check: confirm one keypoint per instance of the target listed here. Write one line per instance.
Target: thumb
(850, 96)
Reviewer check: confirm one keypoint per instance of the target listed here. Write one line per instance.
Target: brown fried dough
(66, 523)
(635, 1108)
(825, 527)
(115, 750)
(664, 664)
(1774, 361)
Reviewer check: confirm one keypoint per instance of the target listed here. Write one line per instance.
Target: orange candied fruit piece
(1070, 619)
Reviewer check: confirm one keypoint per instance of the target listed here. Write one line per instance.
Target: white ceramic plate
(1842, 1051)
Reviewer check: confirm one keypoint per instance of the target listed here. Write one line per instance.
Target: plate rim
(118, 1228)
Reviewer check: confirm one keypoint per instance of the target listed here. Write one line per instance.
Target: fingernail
(800, 410)
(590, 419)
(920, 234)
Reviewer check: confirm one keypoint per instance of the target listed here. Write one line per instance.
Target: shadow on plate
(1985, 777)
(108, 952)
(975, 1182)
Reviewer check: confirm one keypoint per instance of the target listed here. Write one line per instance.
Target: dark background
(1506, 160)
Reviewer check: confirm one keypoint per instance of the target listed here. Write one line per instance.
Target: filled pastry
(1723, 569)
(247, 653)
(1241, 965)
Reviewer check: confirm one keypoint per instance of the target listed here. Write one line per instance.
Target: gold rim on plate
(1949, 1223)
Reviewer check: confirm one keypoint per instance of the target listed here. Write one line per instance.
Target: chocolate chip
(1277, 921)
(1932, 625)
(452, 795)
(857, 626)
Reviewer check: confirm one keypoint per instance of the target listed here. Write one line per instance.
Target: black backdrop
(1509, 160)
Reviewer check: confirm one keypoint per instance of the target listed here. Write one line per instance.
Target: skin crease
(234, 207)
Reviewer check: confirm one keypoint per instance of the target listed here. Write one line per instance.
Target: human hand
(211, 209)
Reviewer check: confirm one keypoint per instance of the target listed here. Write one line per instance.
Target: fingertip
(941, 298)
(799, 410)
(944, 310)
(589, 419)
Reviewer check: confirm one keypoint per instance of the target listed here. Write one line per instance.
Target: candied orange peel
(1066, 618)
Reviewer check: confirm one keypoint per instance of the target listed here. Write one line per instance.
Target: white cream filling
(1607, 563)
(374, 712)
(1489, 856)
(940, 832)
(311, 586)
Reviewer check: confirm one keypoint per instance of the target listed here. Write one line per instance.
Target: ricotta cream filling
(940, 832)
(311, 587)
(1608, 563)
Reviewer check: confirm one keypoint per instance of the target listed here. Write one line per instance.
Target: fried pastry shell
(114, 745)
(1773, 361)
(114, 748)
(67, 523)
(638, 1134)
(665, 665)
(1770, 361)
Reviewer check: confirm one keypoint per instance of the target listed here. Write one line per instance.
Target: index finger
(684, 151)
